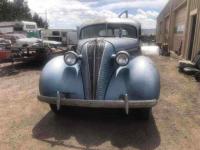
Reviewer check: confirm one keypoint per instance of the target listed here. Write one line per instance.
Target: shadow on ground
(10, 70)
(94, 129)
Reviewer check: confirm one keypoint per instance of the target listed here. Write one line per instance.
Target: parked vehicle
(5, 51)
(66, 36)
(34, 49)
(13, 37)
(105, 71)
(28, 29)
(28, 42)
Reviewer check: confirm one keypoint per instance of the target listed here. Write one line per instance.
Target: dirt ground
(26, 123)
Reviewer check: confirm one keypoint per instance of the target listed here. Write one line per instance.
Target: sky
(68, 14)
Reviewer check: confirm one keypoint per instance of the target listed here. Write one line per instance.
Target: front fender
(57, 76)
(140, 80)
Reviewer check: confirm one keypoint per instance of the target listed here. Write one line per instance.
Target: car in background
(28, 29)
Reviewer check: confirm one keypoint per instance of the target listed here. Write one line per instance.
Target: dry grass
(28, 124)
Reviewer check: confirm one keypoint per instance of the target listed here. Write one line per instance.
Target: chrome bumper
(59, 101)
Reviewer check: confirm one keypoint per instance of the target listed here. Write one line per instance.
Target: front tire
(143, 113)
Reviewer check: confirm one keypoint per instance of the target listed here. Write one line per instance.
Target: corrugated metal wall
(195, 4)
(180, 14)
(177, 3)
(193, 9)
(179, 29)
(161, 24)
(167, 29)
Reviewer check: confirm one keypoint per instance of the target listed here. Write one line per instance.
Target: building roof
(5, 23)
(58, 29)
(28, 22)
(13, 23)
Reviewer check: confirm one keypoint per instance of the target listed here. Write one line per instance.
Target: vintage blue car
(106, 70)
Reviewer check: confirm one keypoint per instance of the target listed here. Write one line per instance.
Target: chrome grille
(95, 51)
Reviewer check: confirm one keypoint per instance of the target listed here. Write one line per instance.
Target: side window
(55, 33)
(116, 32)
(129, 31)
(179, 29)
(93, 31)
(30, 27)
(124, 33)
(120, 32)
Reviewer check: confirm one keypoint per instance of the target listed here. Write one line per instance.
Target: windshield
(108, 30)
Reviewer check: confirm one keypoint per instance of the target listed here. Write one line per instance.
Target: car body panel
(57, 76)
(140, 80)
(97, 77)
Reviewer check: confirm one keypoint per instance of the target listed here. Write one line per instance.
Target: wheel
(143, 113)
(54, 109)
(197, 76)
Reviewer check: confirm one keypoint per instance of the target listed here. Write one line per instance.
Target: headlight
(70, 58)
(122, 58)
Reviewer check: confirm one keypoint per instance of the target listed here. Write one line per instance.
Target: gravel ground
(28, 124)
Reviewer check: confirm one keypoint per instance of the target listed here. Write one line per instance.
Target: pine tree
(40, 22)
(18, 10)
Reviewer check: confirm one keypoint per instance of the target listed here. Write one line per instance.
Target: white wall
(6, 29)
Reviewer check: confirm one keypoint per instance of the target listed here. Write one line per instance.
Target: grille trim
(91, 46)
(95, 50)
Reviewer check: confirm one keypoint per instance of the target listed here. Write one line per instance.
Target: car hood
(97, 65)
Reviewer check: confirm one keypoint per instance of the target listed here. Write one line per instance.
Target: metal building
(66, 36)
(178, 26)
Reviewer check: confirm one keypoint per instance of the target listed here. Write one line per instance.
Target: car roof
(114, 21)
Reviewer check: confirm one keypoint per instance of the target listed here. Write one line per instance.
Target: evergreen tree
(18, 10)
(40, 22)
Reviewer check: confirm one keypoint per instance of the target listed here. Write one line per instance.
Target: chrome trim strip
(126, 102)
(99, 103)
(58, 100)
(94, 70)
